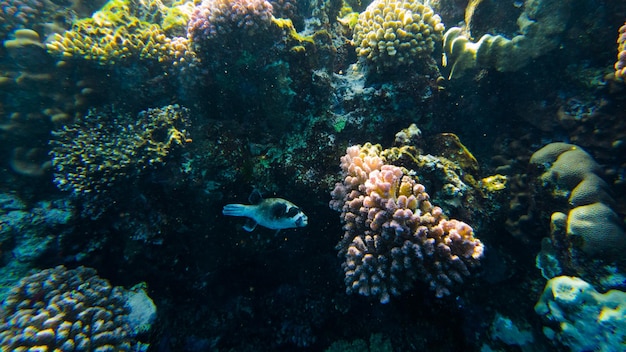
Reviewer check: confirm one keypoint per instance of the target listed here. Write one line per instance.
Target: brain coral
(67, 310)
(393, 234)
(572, 177)
(393, 33)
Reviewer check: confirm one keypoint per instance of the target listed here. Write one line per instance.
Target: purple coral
(393, 234)
(620, 65)
(217, 23)
(67, 310)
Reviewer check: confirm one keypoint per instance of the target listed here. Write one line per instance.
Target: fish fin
(250, 225)
(234, 210)
(255, 197)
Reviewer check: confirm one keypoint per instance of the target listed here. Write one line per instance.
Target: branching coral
(620, 65)
(394, 33)
(107, 146)
(393, 234)
(228, 24)
(67, 310)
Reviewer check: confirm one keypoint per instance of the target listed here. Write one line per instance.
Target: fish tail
(235, 210)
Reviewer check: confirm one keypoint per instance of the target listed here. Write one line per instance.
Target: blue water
(126, 126)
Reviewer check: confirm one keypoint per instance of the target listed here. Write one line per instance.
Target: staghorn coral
(107, 146)
(66, 310)
(396, 33)
(620, 65)
(125, 29)
(393, 234)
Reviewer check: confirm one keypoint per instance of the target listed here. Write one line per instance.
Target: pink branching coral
(393, 234)
(221, 22)
(620, 65)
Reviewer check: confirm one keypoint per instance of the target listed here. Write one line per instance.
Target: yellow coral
(119, 31)
(392, 33)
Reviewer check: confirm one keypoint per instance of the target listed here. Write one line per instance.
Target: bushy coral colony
(66, 310)
(393, 234)
(126, 125)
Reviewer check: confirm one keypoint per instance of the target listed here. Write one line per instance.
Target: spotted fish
(273, 213)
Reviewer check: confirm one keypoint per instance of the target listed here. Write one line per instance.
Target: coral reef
(29, 233)
(572, 178)
(393, 234)
(540, 26)
(580, 318)
(396, 33)
(18, 14)
(108, 146)
(228, 24)
(68, 310)
(620, 65)
(123, 30)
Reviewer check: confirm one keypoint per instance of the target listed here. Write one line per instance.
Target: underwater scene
(312, 175)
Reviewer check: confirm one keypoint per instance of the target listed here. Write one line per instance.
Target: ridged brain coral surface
(393, 33)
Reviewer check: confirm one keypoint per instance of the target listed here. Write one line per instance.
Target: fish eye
(293, 212)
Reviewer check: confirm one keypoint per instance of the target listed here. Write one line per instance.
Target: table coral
(393, 234)
(66, 310)
(124, 29)
(395, 33)
(108, 145)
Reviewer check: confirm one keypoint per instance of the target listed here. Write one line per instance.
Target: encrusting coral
(580, 317)
(395, 33)
(67, 310)
(393, 234)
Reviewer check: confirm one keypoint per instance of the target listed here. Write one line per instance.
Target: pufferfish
(273, 213)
